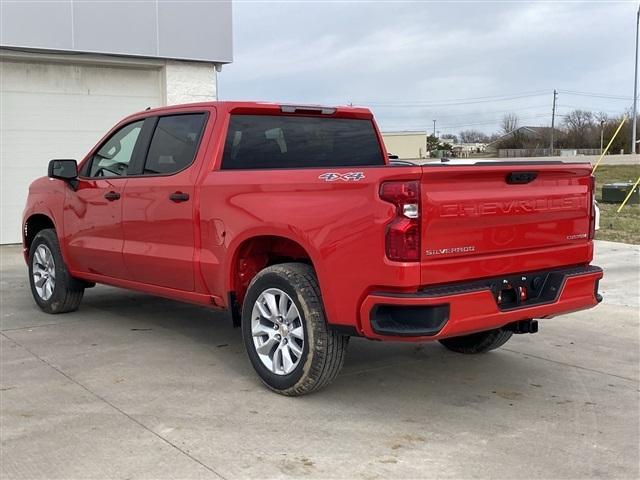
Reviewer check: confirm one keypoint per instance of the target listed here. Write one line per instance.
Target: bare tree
(579, 119)
(581, 128)
(509, 122)
(473, 136)
(601, 117)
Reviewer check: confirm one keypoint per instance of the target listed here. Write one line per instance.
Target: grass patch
(623, 226)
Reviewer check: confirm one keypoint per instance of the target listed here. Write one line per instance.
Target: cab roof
(270, 108)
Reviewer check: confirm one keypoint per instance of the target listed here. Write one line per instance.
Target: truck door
(93, 212)
(158, 204)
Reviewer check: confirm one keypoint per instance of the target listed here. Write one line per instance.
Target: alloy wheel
(44, 272)
(278, 331)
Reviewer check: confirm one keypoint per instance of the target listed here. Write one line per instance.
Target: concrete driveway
(132, 386)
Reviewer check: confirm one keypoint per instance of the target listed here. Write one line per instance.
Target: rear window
(272, 141)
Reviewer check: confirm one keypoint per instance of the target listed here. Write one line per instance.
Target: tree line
(577, 129)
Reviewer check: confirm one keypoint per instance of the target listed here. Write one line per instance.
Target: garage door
(52, 110)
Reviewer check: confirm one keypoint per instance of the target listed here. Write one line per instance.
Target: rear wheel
(53, 289)
(285, 332)
(478, 342)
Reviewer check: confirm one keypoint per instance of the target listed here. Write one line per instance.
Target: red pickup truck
(293, 219)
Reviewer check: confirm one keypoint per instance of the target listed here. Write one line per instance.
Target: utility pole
(434, 128)
(553, 119)
(635, 90)
(601, 135)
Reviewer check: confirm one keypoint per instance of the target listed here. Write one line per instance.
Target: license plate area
(518, 290)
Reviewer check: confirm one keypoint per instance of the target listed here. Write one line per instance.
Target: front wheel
(285, 331)
(480, 342)
(53, 289)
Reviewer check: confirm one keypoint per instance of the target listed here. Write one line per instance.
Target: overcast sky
(409, 61)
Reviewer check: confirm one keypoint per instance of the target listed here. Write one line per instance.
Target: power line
(495, 121)
(473, 114)
(485, 99)
(492, 122)
(596, 95)
(466, 98)
(447, 103)
(597, 110)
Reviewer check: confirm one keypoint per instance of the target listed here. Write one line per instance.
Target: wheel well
(256, 253)
(33, 225)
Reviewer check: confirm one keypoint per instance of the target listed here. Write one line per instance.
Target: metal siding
(130, 28)
(39, 24)
(189, 26)
(187, 30)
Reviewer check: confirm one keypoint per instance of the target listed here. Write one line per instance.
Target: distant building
(406, 144)
(462, 150)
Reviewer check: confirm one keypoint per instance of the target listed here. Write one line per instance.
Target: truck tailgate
(492, 218)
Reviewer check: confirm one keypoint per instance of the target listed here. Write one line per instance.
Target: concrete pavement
(133, 386)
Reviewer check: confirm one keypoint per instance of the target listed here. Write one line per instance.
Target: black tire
(317, 366)
(67, 291)
(478, 342)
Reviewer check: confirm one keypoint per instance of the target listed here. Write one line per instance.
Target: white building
(70, 70)
(463, 150)
(406, 144)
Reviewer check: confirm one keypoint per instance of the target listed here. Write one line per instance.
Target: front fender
(46, 197)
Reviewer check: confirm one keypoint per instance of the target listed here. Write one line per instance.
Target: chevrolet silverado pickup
(293, 220)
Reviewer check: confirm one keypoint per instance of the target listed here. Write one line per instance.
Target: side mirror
(63, 169)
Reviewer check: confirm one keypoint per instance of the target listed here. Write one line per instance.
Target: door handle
(179, 197)
(111, 196)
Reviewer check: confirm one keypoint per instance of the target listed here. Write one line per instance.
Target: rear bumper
(464, 308)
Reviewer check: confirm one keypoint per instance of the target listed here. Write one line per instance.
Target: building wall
(406, 145)
(181, 81)
(188, 82)
(70, 69)
(59, 106)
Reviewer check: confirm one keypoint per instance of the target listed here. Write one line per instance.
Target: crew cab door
(159, 203)
(93, 212)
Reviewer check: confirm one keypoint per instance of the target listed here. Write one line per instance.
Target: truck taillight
(402, 238)
(592, 210)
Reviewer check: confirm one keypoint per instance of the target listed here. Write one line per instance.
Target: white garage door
(54, 110)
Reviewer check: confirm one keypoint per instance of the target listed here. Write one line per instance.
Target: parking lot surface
(132, 386)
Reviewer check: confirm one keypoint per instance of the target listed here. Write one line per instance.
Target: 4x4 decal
(347, 177)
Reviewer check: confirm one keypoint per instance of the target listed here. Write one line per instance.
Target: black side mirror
(392, 156)
(64, 169)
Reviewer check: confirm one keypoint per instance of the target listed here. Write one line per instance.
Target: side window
(174, 143)
(113, 158)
